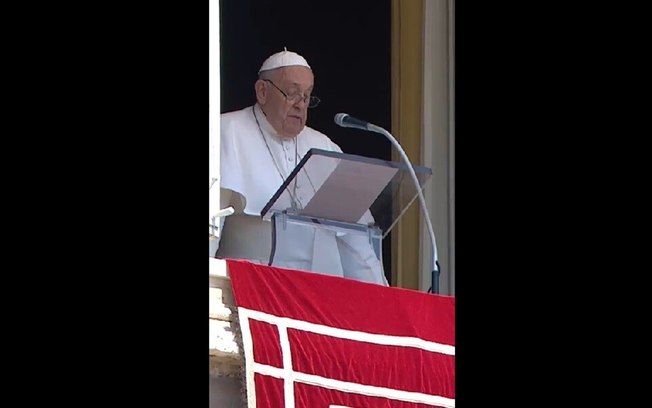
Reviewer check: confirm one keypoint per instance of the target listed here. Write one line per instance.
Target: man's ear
(261, 91)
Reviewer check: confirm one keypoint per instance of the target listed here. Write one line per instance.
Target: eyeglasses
(312, 101)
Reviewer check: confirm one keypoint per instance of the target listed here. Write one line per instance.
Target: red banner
(313, 340)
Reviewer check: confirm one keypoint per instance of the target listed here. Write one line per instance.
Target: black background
(347, 44)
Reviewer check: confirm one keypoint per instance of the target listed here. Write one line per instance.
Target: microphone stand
(435, 263)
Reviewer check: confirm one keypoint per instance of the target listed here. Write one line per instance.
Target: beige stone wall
(226, 361)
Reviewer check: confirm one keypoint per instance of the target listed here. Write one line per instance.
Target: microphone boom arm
(435, 263)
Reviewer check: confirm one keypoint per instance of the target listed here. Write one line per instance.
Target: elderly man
(260, 146)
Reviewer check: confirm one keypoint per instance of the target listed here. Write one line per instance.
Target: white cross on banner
(313, 341)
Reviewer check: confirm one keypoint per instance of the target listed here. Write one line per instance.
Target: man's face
(287, 115)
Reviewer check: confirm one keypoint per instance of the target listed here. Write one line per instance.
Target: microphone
(346, 120)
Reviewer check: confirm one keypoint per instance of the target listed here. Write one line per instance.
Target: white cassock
(249, 177)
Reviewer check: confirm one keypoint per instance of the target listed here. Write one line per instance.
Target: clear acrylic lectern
(338, 194)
